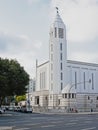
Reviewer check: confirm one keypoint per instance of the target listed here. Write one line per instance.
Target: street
(34, 121)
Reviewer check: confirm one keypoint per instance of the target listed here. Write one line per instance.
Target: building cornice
(82, 63)
(43, 64)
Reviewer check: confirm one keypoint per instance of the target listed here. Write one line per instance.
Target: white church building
(61, 83)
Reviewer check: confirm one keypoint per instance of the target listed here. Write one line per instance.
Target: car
(1, 111)
(26, 109)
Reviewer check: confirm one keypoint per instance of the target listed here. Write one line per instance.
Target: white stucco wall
(80, 68)
(43, 77)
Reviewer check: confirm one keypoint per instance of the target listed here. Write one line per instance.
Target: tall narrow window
(75, 80)
(40, 80)
(61, 66)
(92, 81)
(51, 76)
(69, 95)
(51, 66)
(55, 32)
(72, 95)
(51, 86)
(61, 46)
(60, 56)
(61, 76)
(84, 80)
(44, 80)
(51, 47)
(61, 33)
(61, 86)
(51, 57)
(65, 95)
(88, 98)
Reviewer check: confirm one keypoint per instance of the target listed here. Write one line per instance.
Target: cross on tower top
(57, 9)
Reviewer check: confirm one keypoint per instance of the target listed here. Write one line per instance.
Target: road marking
(89, 128)
(22, 129)
(57, 122)
(44, 126)
(30, 124)
(55, 119)
(73, 120)
(88, 122)
(6, 128)
(71, 123)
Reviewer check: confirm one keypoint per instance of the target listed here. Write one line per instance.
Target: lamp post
(28, 99)
(89, 81)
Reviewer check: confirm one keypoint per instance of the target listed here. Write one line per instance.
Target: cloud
(19, 47)
(30, 2)
(85, 56)
(80, 17)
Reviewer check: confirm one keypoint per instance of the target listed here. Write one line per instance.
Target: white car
(1, 111)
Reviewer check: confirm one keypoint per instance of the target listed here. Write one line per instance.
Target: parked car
(17, 108)
(1, 111)
(26, 109)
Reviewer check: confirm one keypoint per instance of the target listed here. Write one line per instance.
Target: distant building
(30, 90)
(61, 83)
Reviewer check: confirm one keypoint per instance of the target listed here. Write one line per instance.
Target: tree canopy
(20, 98)
(13, 78)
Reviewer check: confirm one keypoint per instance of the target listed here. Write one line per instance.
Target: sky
(25, 24)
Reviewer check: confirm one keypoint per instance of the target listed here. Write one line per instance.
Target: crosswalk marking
(71, 123)
(21, 129)
(73, 120)
(47, 126)
(88, 121)
(89, 128)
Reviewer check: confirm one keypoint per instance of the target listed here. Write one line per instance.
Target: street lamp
(89, 81)
(28, 101)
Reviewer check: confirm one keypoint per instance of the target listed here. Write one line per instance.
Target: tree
(20, 98)
(13, 79)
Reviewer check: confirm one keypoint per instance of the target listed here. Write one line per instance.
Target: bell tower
(57, 57)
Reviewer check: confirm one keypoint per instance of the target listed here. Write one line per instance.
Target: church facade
(61, 83)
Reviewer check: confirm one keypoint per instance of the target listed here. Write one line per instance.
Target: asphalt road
(26, 121)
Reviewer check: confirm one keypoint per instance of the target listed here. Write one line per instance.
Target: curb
(62, 113)
(6, 128)
(5, 114)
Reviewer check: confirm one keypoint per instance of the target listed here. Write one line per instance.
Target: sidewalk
(6, 128)
(5, 114)
(70, 113)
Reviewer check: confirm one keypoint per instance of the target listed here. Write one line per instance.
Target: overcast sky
(24, 30)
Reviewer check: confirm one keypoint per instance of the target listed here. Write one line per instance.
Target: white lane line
(71, 123)
(88, 122)
(44, 126)
(55, 119)
(73, 120)
(54, 122)
(19, 122)
(31, 124)
(57, 122)
(22, 129)
(89, 128)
